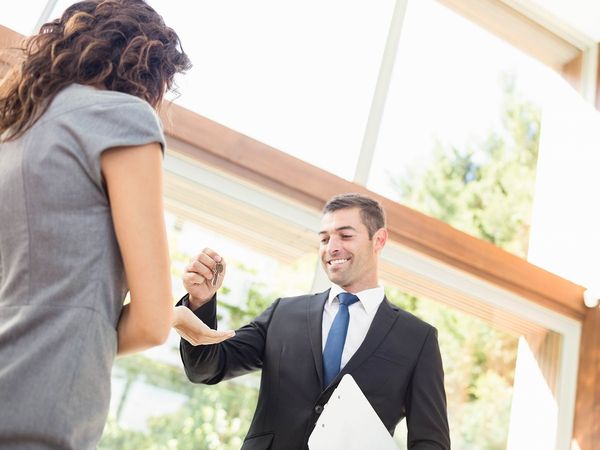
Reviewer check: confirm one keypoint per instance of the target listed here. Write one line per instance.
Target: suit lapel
(315, 308)
(384, 318)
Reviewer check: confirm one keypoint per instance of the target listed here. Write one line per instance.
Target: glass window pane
(153, 404)
(496, 361)
(298, 76)
(22, 17)
(499, 369)
(479, 364)
(460, 132)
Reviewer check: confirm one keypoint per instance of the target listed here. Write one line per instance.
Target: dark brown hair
(371, 212)
(119, 45)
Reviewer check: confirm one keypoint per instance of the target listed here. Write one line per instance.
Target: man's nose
(333, 245)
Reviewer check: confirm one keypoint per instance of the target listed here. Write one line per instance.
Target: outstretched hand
(196, 332)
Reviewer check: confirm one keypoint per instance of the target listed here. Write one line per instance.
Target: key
(216, 271)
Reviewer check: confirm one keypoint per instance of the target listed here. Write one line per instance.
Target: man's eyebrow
(345, 227)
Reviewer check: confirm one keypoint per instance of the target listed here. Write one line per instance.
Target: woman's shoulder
(101, 119)
(75, 97)
(86, 108)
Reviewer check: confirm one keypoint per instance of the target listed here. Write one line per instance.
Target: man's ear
(379, 239)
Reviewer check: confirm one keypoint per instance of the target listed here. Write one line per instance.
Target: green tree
(212, 417)
(484, 189)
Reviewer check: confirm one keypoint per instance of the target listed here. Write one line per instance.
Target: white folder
(349, 422)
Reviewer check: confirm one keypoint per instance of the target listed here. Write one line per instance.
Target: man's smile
(337, 261)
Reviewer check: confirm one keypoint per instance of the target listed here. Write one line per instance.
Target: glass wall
(298, 76)
(23, 17)
(479, 362)
(153, 405)
(460, 132)
(493, 358)
(496, 366)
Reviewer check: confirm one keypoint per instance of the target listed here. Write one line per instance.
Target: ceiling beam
(224, 149)
(518, 29)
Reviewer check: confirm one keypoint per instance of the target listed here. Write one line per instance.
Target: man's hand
(198, 277)
(196, 332)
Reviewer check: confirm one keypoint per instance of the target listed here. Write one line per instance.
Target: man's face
(348, 256)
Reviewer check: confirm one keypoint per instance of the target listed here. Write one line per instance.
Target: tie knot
(347, 299)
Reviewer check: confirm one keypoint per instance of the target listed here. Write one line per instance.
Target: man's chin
(335, 278)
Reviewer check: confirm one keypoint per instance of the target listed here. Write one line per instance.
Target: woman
(81, 217)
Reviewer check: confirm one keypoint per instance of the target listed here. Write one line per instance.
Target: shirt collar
(369, 298)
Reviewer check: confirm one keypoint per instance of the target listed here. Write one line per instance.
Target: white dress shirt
(361, 317)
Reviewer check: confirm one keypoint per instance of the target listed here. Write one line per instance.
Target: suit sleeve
(242, 354)
(426, 414)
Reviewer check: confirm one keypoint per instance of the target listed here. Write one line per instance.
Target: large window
(298, 76)
(460, 132)
(460, 128)
(500, 353)
(479, 362)
(24, 17)
(505, 359)
(153, 404)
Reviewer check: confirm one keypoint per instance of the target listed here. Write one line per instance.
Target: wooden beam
(9, 38)
(227, 150)
(586, 431)
(598, 81)
(518, 29)
(571, 72)
(9, 44)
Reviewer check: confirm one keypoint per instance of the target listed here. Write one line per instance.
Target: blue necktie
(332, 355)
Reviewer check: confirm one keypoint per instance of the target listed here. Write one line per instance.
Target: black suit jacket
(398, 367)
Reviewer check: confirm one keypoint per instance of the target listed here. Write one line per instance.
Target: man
(305, 344)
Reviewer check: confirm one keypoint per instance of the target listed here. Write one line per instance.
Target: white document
(349, 422)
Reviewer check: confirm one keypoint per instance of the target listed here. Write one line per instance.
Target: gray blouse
(62, 281)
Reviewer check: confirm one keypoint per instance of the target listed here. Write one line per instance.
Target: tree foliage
(486, 190)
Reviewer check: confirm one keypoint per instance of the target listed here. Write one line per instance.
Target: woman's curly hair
(119, 45)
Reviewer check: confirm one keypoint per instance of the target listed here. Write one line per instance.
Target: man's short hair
(371, 212)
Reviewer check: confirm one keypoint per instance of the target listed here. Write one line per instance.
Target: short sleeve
(111, 120)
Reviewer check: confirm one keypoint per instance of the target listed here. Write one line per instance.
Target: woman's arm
(134, 181)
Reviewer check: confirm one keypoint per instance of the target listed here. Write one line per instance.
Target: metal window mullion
(45, 15)
(589, 73)
(367, 150)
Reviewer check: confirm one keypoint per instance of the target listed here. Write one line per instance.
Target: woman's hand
(196, 332)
